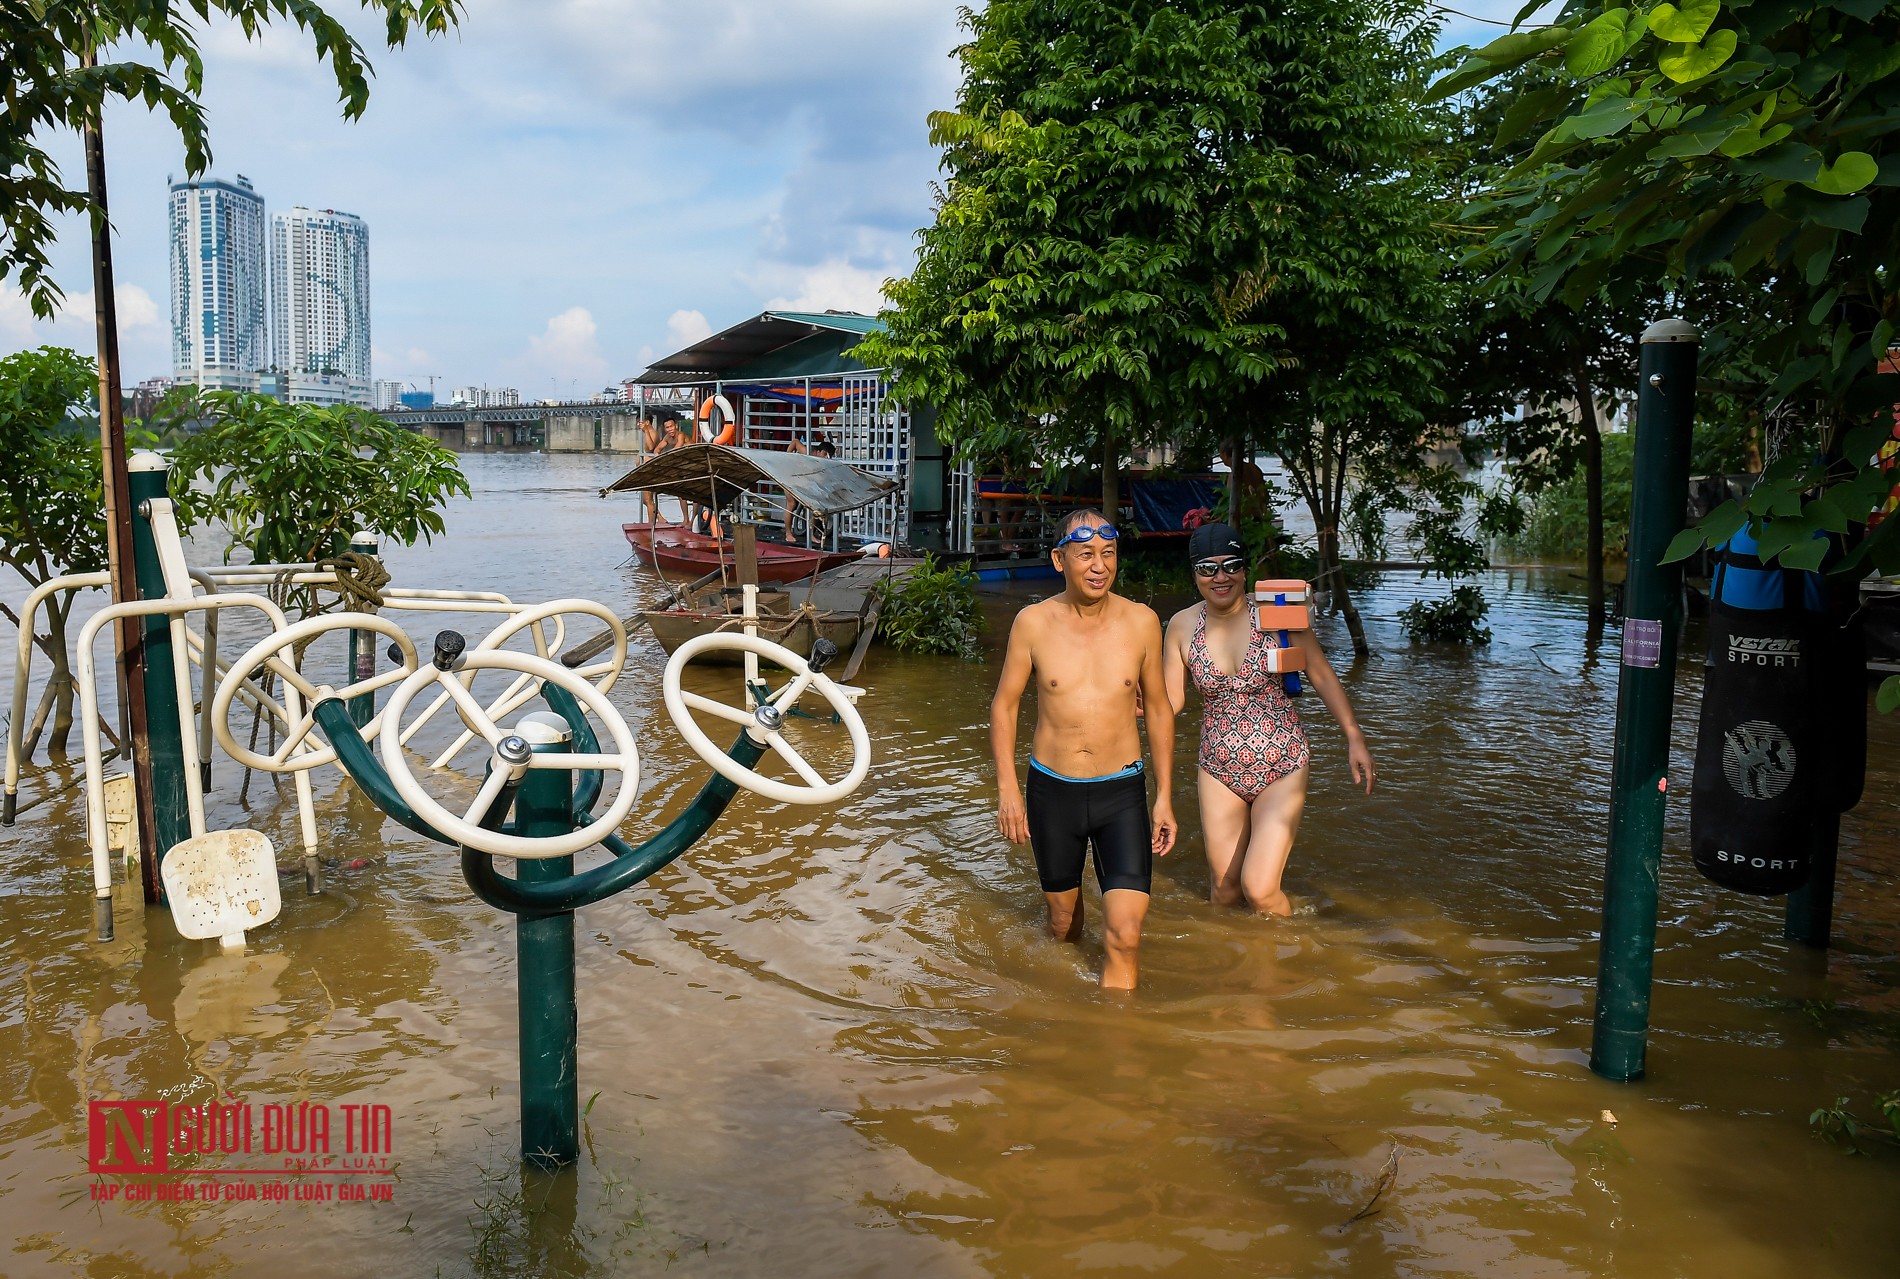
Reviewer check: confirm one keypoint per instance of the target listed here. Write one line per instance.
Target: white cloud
(836, 285)
(683, 328)
(569, 348)
(141, 327)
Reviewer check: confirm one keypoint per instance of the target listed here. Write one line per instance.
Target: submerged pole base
(102, 916)
(312, 875)
(9, 807)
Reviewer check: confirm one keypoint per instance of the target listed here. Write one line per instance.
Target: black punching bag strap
(1753, 797)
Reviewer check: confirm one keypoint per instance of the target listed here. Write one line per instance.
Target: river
(837, 1042)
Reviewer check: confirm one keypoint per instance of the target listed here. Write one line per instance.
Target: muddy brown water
(835, 1041)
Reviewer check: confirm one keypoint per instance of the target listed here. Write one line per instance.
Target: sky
(563, 190)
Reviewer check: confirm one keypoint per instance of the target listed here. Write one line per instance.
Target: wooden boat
(794, 618)
(675, 548)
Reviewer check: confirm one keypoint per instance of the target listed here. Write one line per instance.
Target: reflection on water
(836, 1042)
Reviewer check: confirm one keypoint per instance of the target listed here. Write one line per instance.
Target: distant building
(418, 399)
(388, 395)
(218, 284)
(320, 305)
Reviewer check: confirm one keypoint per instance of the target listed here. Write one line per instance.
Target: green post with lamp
(171, 812)
(1639, 782)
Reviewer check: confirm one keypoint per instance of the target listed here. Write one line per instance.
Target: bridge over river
(579, 426)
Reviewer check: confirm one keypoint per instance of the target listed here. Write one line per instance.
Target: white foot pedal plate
(222, 883)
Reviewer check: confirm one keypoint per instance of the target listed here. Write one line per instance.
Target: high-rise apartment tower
(217, 279)
(320, 305)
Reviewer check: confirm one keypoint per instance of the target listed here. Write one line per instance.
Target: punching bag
(1758, 761)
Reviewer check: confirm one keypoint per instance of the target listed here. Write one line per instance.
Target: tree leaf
(1684, 25)
(1602, 42)
(1785, 162)
(1826, 513)
(1685, 544)
(1685, 62)
(1850, 171)
(1747, 141)
(1887, 700)
(1519, 46)
(1806, 555)
(1497, 57)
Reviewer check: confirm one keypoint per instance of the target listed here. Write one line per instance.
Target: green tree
(59, 67)
(292, 482)
(1116, 173)
(52, 519)
(1357, 273)
(1749, 140)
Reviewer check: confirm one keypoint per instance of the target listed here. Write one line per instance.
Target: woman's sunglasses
(1214, 568)
(1088, 533)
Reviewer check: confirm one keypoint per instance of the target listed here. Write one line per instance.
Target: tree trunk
(1111, 477)
(1593, 489)
(1332, 574)
(1233, 481)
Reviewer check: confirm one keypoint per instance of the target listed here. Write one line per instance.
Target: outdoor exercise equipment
(1754, 794)
(171, 597)
(1783, 747)
(547, 771)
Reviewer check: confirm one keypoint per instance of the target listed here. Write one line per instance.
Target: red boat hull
(674, 548)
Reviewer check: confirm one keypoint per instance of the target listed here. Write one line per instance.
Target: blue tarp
(1161, 504)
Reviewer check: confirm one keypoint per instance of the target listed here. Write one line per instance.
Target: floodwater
(836, 1041)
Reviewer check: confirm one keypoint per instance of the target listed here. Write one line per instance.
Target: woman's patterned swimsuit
(1250, 729)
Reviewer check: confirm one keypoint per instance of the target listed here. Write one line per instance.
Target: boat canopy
(715, 474)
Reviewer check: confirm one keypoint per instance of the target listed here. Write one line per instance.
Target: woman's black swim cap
(1214, 541)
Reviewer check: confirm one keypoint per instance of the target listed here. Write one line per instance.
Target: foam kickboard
(1292, 589)
(1284, 617)
(1282, 660)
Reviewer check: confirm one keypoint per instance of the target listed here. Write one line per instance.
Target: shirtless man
(1096, 658)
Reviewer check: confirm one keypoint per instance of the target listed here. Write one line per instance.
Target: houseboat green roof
(773, 344)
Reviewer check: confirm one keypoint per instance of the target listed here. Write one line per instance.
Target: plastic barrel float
(1783, 732)
(1282, 607)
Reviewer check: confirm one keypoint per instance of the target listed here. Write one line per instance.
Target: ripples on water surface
(835, 1042)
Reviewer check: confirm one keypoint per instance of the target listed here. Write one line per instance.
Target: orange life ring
(730, 420)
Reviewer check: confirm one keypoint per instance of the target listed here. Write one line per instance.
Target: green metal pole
(362, 645)
(1652, 612)
(544, 953)
(1810, 915)
(170, 809)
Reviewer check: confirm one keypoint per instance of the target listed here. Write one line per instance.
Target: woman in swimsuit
(1252, 779)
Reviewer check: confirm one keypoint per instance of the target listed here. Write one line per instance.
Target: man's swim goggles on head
(1088, 533)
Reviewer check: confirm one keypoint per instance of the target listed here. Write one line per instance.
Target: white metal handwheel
(296, 753)
(764, 723)
(523, 689)
(624, 759)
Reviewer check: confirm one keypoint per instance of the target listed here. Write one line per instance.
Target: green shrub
(1456, 619)
(933, 609)
(1555, 530)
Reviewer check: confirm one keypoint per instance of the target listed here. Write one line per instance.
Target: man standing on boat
(1096, 658)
